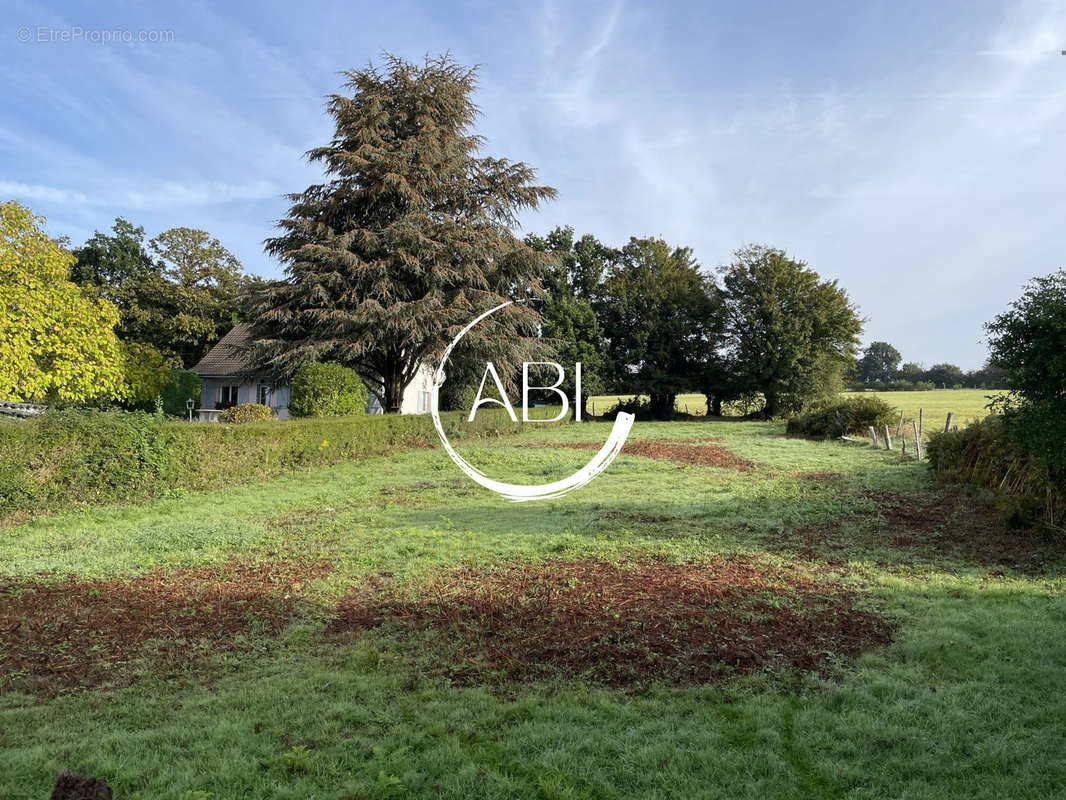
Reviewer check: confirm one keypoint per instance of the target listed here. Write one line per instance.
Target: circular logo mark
(518, 492)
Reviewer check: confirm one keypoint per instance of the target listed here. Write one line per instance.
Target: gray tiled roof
(230, 356)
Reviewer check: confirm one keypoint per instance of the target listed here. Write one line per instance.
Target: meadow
(965, 404)
(725, 612)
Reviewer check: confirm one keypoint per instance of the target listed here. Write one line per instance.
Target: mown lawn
(363, 632)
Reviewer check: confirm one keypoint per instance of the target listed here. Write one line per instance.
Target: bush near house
(65, 459)
(842, 417)
(245, 413)
(327, 390)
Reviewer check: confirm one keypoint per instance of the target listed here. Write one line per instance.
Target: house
(225, 381)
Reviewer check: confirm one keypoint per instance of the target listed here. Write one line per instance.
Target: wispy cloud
(48, 194)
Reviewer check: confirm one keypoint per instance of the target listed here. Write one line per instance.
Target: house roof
(231, 355)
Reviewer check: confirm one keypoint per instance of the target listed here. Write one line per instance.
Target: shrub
(181, 385)
(841, 417)
(246, 412)
(985, 455)
(640, 406)
(327, 390)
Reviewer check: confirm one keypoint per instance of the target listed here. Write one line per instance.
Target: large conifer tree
(409, 238)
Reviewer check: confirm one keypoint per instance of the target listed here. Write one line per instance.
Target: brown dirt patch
(703, 455)
(624, 626)
(79, 633)
(943, 528)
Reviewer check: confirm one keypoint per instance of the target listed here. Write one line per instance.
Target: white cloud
(47, 194)
(174, 194)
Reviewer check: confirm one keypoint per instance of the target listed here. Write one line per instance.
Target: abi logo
(490, 369)
(517, 492)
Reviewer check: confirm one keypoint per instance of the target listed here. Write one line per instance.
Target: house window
(263, 395)
(227, 396)
(423, 402)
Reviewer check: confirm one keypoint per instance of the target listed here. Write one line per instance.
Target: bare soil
(624, 625)
(83, 633)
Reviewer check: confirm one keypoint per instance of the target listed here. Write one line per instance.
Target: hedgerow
(66, 459)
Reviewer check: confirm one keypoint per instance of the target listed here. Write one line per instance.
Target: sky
(914, 151)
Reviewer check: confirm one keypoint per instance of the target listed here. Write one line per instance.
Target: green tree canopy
(57, 342)
(912, 372)
(660, 320)
(113, 263)
(409, 239)
(792, 335)
(179, 295)
(944, 376)
(1028, 342)
(879, 364)
(574, 285)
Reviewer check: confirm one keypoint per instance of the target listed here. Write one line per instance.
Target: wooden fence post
(873, 435)
(888, 437)
(947, 425)
(899, 425)
(921, 429)
(917, 440)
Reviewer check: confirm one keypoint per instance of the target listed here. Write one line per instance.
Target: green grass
(965, 404)
(966, 702)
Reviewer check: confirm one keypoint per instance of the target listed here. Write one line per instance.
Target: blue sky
(913, 150)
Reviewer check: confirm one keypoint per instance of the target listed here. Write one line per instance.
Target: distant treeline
(880, 369)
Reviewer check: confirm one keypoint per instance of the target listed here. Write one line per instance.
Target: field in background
(966, 404)
(385, 628)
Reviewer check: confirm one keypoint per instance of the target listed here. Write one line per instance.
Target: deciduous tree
(574, 285)
(178, 295)
(879, 364)
(57, 341)
(660, 321)
(1028, 342)
(792, 335)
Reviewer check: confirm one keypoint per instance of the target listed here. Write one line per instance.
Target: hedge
(245, 413)
(66, 459)
(1021, 484)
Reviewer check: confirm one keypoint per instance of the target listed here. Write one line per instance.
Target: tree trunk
(714, 405)
(769, 411)
(662, 405)
(393, 397)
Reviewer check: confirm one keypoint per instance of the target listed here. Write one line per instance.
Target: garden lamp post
(189, 404)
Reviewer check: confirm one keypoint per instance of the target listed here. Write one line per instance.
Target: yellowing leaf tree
(57, 343)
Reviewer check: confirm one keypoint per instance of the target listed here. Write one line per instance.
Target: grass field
(965, 404)
(753, 617)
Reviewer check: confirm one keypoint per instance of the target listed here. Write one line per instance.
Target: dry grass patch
(703, 455)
